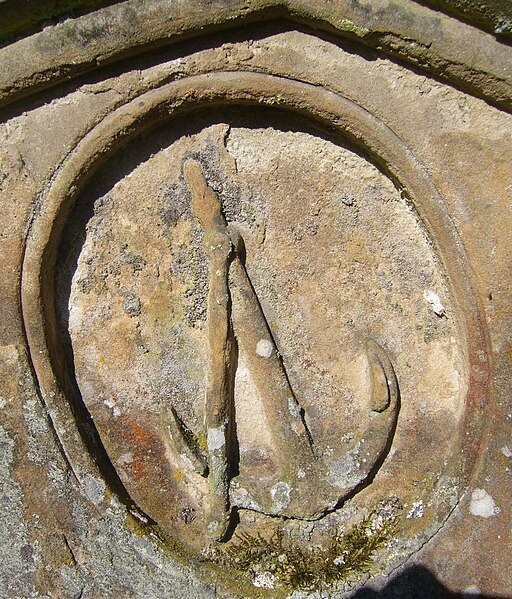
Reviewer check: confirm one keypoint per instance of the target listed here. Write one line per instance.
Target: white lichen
(482, 504)
(471, 591)
(293, 407)
(215, 439)
(346, 472)
(242, 498)
(280, 493)
(264, 348)
(383, 516)
(435, 301)
(94, 488)
(265, 580)
(417, 510)
(506, 451)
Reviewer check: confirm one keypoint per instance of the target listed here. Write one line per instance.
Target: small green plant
(282, 562)
(273, 100)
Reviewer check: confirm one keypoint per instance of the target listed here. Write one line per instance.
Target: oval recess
(175, 100)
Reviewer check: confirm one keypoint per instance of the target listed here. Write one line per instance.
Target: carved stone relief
(233, 309)
(250, 317)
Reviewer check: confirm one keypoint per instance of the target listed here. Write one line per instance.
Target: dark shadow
(417, 582)
(234, 521)
(233, 443)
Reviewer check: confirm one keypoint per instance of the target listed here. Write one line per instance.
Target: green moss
(200, 438)
(347, 25)
(281, 562)
(197, 443)
(272, 101)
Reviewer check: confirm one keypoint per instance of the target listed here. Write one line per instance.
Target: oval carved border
(174, 100)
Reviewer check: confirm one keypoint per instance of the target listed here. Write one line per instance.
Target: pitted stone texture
(66, 548)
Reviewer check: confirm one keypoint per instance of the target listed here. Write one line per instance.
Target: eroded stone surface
(336, 253)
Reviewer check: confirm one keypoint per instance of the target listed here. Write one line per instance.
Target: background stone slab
(60, 83)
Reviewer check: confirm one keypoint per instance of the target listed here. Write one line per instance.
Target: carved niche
(249, 314)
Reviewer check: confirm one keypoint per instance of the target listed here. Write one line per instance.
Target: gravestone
(256, 300)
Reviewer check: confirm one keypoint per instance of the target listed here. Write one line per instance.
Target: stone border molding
(173, 101)
(405, 31)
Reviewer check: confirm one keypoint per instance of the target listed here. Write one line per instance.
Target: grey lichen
(132, 305)
(18, 567)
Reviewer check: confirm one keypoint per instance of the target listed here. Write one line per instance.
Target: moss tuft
(279, 562)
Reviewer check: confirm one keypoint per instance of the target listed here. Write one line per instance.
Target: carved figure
(308, 484)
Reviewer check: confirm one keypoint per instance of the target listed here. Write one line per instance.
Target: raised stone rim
(174, 100)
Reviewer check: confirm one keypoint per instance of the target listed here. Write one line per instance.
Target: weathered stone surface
(400, 28)
(256, 283)
(493, 16)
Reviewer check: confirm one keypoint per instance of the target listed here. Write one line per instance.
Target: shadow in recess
(417, 582)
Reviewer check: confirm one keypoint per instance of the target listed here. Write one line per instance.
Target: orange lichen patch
(136, 469)
(144, 445)
(154, 483)
(141, 435)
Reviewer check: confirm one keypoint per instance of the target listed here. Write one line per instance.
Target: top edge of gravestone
(20, 19)
(79, 36)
